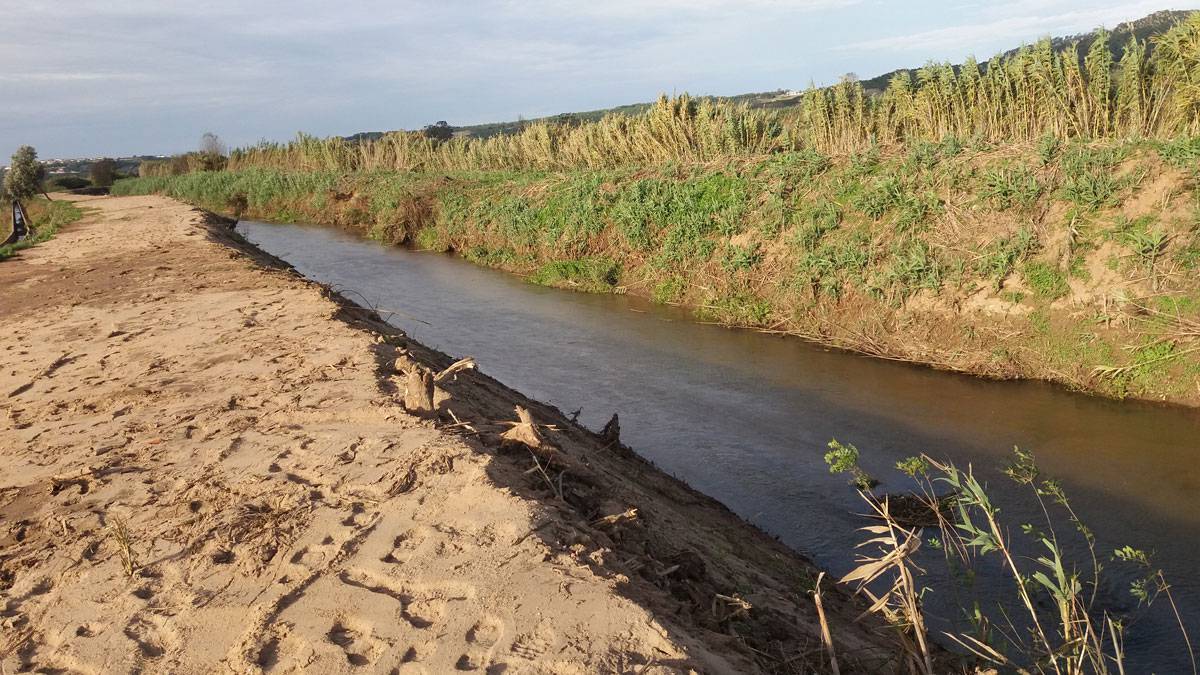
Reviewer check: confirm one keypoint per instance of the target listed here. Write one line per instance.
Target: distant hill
(1144, 28)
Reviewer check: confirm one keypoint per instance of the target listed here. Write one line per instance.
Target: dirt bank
(207, 466)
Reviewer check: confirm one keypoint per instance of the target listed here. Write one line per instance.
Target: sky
(122, 77)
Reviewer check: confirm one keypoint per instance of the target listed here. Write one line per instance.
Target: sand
(206, 466)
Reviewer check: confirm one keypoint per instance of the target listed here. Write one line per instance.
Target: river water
(746, 417)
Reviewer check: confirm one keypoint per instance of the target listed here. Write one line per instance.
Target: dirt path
(173, 402)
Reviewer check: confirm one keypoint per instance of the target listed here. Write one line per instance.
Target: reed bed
(1151, 91)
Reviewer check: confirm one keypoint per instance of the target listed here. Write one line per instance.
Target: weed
(843, 458)
(119, 531)
(741, 258)
(818, 220)
(738, 309)
(1064, 629)
(999, 258)
(1011, 186)
(1048, 147)
(828, 268)
(1089, 179)
(1039, 321)
(880, 197)
(1183, 153)
(923, 155)
(1046, 280)
(669, 291)
(915, 210)
(864, 163)
(914, 265)
(595, 275)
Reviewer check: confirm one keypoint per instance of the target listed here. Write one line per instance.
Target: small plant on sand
(119, 532)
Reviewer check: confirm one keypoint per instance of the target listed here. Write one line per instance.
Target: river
(745, 417)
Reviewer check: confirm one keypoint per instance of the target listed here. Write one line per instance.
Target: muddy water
(745, 417)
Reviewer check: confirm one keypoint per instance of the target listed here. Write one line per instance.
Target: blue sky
(120, 77)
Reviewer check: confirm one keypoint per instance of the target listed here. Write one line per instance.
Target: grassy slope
(47, 217)
(1042, 262)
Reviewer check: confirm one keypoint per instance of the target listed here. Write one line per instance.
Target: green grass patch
(1045, 280)
(592, 275)
(997, 260)
(1009, 186)
(739, 309)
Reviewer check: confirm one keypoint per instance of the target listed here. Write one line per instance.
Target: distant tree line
(211, 155)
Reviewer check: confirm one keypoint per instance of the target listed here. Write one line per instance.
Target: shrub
(25, 174)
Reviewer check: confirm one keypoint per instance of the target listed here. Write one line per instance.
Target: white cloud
(72, 76)
(641, 8)
(1012, 22)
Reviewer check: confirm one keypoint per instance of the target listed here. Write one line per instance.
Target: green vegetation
(1045, 280)
(24, 177)
(1011, 186)
(48, 217)
(843, 458)
(588, 274)
(1056, 620)
(785, 241)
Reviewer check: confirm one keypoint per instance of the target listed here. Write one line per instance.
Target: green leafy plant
(1010, 186)
(843, 458)
(1065, 630)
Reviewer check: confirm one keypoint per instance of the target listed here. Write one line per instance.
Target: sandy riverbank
(177, 403)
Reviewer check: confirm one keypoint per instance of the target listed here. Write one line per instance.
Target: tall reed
(1152, 91)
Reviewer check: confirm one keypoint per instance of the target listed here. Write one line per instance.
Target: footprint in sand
(404, 546)
(352, 642)
(421, 609)
(147, 638)
(481, 641)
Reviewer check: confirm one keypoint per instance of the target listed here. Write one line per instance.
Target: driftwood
(611, 433)
(419, 380)
(460, 365)
(616, 518)
(418, 392)
(418, 387)
(525, 432)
